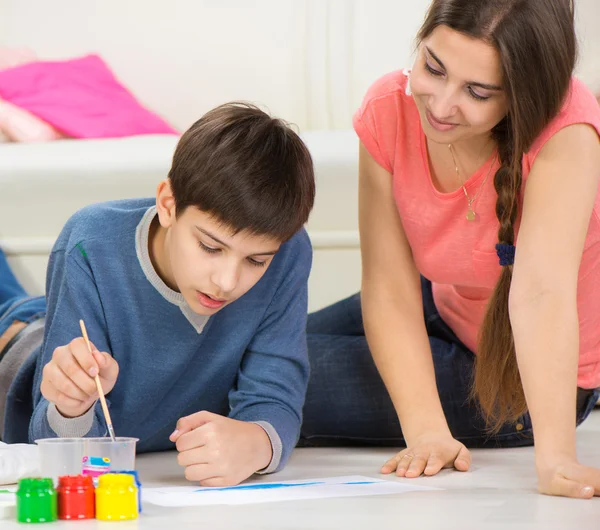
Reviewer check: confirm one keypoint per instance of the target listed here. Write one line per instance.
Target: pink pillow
(79, 97)
(18, 125)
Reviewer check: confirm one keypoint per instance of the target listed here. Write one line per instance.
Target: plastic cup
(85, 456)
(102, 455)
(60, 456)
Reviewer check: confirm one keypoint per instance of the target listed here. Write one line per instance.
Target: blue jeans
(348, 404)
(15, 303)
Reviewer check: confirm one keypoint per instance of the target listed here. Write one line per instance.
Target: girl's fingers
(392, 464)
(571, 488)
(434, 464)
(462, 461)
(417, 465)
(404, 464)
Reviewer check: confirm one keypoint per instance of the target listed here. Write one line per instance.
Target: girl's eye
(476, 96)
(256, 263)
(432, 70)
(472, 93)
(210, 250)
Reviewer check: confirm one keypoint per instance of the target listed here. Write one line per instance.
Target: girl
(480, 240)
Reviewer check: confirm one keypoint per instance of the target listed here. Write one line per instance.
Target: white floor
(498, 493)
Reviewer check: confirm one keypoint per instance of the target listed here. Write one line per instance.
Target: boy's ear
(165, 203)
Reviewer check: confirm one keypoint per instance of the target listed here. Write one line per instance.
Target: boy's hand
(219, 451)
(68, 379)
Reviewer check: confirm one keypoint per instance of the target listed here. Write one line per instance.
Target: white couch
(41, 185)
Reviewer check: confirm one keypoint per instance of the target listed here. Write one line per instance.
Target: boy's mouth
(209, 301)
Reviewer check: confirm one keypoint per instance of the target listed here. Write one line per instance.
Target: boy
(195, 303)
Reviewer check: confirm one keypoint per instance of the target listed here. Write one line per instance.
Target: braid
(497, 383)
(507, 183)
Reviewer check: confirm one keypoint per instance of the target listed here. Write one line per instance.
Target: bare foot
(9, 334)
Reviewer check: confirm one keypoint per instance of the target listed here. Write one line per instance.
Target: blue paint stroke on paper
(260, 487)
(277, 485)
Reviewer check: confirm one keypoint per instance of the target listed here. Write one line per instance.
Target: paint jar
(102, 455)
(76, 498)
(116, 498)
(137, 483)
(36, 501)
(8, 504)
(60, 456)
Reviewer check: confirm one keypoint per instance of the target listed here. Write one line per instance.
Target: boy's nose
(226, 279)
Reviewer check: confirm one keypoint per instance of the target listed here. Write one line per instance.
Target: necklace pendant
(471, 215)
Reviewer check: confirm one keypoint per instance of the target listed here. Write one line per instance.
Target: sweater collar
(171, 296)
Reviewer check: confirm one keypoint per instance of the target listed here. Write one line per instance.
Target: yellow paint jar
(116, 498)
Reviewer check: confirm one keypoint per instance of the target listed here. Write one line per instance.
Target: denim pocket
(588, 405)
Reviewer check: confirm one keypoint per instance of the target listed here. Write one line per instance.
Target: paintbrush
(111, 431)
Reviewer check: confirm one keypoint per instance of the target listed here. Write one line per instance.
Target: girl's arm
(558, 203)
(395, 329)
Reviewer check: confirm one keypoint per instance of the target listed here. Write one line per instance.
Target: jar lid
(75, 481)
(110, 479)
(133, 473)
(36, 484)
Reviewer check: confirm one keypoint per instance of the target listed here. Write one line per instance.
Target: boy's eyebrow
(485, 86)
(269, 253)
(206, 232)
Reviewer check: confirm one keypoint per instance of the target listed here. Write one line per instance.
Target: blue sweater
(248, 361)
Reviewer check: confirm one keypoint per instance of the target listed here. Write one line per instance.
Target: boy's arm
(273, 377)
(72, 295)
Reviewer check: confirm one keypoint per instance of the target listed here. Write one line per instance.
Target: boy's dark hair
(247, 169)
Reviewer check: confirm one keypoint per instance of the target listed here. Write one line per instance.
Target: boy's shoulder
(106, 222)
(299, 243)
(295, 253)
(288, 272)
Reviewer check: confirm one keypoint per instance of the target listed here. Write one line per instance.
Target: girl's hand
(429, 454)
(569, 479)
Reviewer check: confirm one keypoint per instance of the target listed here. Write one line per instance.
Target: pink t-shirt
(457, 255)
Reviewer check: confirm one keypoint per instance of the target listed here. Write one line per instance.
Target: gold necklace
(471, 214)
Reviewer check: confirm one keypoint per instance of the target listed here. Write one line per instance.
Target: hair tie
(506, 253)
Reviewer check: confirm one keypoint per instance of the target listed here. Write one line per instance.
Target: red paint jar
(76, 498)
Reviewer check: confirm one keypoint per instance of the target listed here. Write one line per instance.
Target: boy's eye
(256, 263)
(210, 250)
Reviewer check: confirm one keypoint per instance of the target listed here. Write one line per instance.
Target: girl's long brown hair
(536, 42)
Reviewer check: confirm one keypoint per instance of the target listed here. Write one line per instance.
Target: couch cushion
(43, 184)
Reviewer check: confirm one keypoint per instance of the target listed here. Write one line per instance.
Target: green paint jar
(36, 501)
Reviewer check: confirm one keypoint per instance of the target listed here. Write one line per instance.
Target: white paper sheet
(289, 490)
